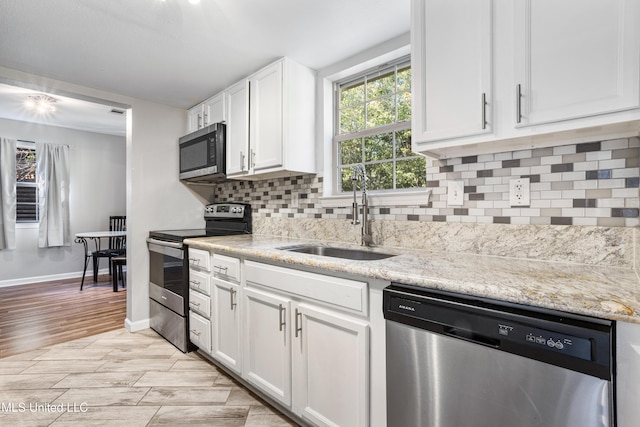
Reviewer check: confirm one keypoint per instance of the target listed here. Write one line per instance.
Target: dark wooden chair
(117, 245)
(117, 264)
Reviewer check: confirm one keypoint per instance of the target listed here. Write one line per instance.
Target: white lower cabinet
(302, 352)
(225, 322)
(267, 344)
(200, 331)
(330, 367)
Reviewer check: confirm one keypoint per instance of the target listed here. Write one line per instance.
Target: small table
(96, 236)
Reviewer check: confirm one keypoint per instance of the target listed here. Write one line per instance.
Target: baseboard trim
(136, 326)
(51, 277)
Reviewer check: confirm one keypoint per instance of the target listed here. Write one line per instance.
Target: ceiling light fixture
(41, 104)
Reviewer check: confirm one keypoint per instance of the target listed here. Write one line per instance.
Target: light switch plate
(519, 192)
(455, 193)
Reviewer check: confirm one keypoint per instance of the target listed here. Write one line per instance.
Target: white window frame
(28, 224)
(363, 133)
(384, 54)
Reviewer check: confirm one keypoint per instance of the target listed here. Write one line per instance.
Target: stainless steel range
(169, 268)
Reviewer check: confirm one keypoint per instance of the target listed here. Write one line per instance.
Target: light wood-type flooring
(41, 314)
(66, 359)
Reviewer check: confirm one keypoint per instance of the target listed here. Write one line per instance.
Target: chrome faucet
(360, 173)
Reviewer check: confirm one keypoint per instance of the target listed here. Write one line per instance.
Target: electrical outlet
(295, 200)
(519, 192)
(455, 193)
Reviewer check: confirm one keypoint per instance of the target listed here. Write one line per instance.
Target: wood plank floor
(42, 314)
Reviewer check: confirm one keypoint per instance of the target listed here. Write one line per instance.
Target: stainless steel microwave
(202, 154)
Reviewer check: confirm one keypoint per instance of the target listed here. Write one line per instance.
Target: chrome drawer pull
(518, 103)
(231, 295)
(281, 314)
(298, 328)
(484, 110)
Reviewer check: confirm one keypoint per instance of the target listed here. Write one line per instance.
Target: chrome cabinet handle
(199, 121)
(253, 158)
(195, 282)
(298, 326)
(194, 261)
(194, 332)
(233, 303)
(195, 304)
(518, 103)
(205, 121)
(484, 110)
(221, 268)
(281, 320)
(242, 156)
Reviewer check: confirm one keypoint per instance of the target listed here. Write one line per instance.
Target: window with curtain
(373, 127)
(27, 210)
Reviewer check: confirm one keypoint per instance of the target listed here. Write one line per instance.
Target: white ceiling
(178, 54)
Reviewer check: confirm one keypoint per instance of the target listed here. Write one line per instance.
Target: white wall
(155, 199)
(97, 190)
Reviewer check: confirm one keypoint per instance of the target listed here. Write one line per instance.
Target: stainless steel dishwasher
(458, 361)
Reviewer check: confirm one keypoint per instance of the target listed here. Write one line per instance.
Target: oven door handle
(164, 243)
(172, 249)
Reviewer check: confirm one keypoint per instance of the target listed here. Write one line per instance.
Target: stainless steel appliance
(202, 154)
(457, 361)
(169, 268)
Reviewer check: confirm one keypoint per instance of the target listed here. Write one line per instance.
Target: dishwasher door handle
(471, 336)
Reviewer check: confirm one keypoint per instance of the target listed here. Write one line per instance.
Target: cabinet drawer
(199, 281)
(339, 292)
(200, 303)
(226, 267)
(200, 331)
(199, 259)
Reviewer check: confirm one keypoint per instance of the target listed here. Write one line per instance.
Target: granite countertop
(609, 293)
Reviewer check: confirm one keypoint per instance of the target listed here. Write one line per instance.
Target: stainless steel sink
(354, 254)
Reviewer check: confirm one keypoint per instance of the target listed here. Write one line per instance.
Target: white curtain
(8, 193)
(52, 168)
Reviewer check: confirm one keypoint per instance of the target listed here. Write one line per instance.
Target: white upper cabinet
(490, 75)
(237, 106)
(451, 65)
(576, 59)
(208, 112)
(273, 133)
(266, 123)
(214, 110)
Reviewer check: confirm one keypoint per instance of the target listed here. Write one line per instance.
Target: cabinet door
(576, 59)
(194, 118)
(451, 69)
(214, 111)
(266, 117)
(267, 346)
(200, 332)
(237, 106)
(331, 367)
(226, 324)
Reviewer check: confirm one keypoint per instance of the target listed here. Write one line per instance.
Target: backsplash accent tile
(588, 184)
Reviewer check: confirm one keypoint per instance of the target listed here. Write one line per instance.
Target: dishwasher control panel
(551, 340)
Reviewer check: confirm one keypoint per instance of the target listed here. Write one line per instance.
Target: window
(374, 128)
(26, 185)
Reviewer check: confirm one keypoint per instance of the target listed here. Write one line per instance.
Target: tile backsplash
(593, 184)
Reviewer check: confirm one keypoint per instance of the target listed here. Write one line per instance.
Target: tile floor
(124, 379)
